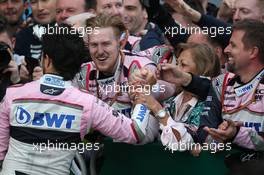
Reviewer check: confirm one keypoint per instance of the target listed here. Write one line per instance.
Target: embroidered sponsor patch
(54, 81)
(251, 85)
(46, 115)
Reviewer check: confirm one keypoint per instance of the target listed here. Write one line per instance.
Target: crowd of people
(183, 72)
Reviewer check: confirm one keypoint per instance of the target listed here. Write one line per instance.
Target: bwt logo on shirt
(54, 81)
(142, 113)
(257, 126)
(51, 120)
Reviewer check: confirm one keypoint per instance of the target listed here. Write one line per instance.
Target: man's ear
(47, 62)
(145, 14)
(254, 53)
(218, 50)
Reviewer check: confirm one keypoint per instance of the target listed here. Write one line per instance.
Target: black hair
(90, 4)
(143, 4)
(65, 49)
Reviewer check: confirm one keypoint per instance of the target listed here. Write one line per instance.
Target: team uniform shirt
(228, 98)
(157, 54)
(114, 90)
(244, 103)
(150, 37)
(52, 111)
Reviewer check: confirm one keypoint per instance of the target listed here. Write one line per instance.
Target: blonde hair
(104, 21)
(206, 61)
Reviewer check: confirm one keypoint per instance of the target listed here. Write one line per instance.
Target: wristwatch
(161, 114)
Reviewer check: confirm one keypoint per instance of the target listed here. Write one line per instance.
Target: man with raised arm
(51, 111)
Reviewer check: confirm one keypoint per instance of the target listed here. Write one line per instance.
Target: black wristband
(199, 86)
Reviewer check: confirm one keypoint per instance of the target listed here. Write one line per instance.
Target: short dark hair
(142, 3)
(90, 4)
(66, 50)
(254, 35)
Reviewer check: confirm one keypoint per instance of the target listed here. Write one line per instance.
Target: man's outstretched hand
(172, 74)
(226, 131)
(183, 8)
(178, 5)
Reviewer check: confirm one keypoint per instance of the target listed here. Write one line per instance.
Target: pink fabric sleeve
(244, 138)
(111, 123)
(4, 127)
